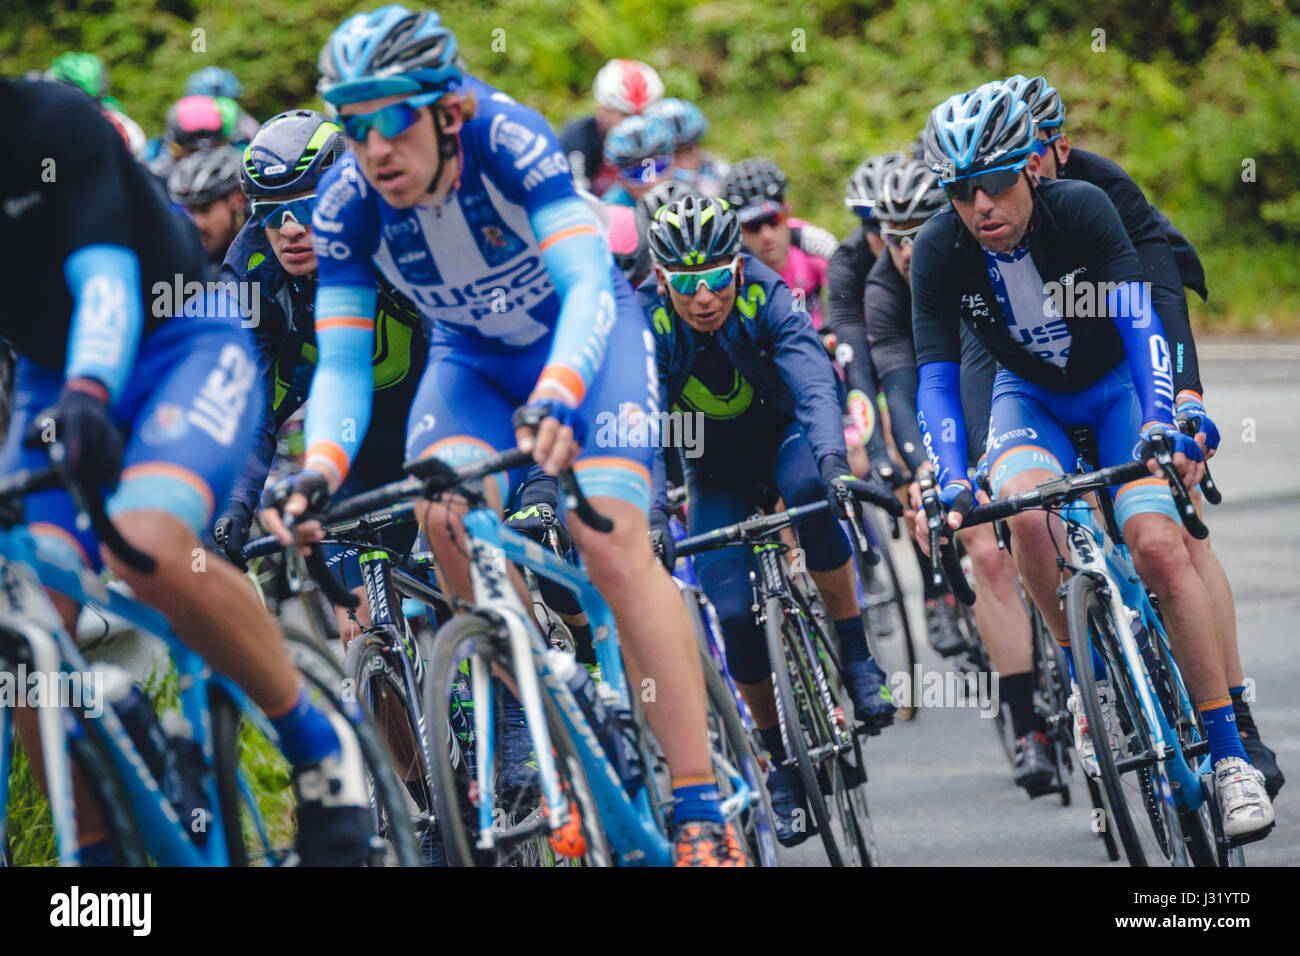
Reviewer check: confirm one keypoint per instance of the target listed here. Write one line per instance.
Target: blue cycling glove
(1181, 443)
(1190, 407)
(543, 408)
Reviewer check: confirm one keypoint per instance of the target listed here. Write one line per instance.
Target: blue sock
(1098, 663)
(853, 640)
(99, 853)
(306, 734)
(698, 803)
(1221, 728)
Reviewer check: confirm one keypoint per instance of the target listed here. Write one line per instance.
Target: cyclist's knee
(620, 558)
(178, 558)
(1157, 551)
(993, 566)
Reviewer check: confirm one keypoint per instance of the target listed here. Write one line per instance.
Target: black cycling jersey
(846, 277)
(70, 183)
(1074, 235)
(1151, 240)
(584, 147)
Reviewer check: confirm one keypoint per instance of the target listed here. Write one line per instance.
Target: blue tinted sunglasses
(715, 280)
(393, 120)
(647, 170)
(271, 213)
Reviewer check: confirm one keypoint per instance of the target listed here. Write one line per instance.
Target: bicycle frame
(1093, 552)
(628, 822)
(29, 616)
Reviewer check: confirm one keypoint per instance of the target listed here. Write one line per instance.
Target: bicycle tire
(326, 679)
(377, 679)
(1085, 610)
(757, 832)
(778, 649)
(883, 647)
(456, 813)
(1106, 833)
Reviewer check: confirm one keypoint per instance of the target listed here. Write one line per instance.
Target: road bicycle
(231, 734)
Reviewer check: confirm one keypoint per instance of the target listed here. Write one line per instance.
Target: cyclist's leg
(1027, 445)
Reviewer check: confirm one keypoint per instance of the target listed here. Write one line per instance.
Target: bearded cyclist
(461, 197)
(98, 361)
(750, 365)
(1171, 263)
(981, 264)
(206, 185)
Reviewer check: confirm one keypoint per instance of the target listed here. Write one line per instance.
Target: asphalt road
(940, 786)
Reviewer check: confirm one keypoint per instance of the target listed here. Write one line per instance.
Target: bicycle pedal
(1234, 843)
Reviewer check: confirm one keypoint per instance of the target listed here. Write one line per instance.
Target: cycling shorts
(1029, 425)
(463, 407)
(187, 413)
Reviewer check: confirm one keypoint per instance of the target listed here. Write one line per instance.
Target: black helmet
(201, 177)
(754, 187)
(867, 183)
(289, 154)
(661, 194)
(693, 231)
(910, 190)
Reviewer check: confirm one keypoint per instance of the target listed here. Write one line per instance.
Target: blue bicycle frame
(628, 822)
(28, 615)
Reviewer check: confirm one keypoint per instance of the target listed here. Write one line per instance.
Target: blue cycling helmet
(388, 51)
(684, 117)
(289, 154)
(1045, 104)
(986, 128)
(637, 138)
(214, 81)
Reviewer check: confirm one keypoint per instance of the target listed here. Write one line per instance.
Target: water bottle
(611, 722)
(187, 777)
(138, 718)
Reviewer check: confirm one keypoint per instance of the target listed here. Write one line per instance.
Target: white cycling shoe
(1243, 801)
(1082, 741)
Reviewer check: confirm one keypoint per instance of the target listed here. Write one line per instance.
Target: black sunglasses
(993, 182)
(772, 219)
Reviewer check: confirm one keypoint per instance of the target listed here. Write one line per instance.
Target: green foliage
(1181, 95)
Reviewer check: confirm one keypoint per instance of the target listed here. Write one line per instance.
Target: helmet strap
(448, 148)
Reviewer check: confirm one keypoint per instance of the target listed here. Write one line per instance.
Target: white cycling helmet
(628, 86)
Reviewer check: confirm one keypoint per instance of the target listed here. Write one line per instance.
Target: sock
(1018, 691)
(98, 853)
(930, 589)
(1221, 727)
(697, 803)
(771, 738)
(1098, 663)
(306, 734)
(1245, 720)
(853, 640)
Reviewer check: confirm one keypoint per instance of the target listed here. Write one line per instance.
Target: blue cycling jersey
(512, 259)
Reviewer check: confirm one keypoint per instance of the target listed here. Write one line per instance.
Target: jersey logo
(15, 206)
(495, 238)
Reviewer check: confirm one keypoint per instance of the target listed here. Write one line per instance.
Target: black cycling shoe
(941, 625)
(1033, 768)
(1261, 756)
(334, 817)
(790, 814)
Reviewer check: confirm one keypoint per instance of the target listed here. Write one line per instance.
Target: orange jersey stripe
(583, 229)
(563, 378)
(1139, 483)
(1020, 448)
(176, 472)
(330, 454)
(343, 322)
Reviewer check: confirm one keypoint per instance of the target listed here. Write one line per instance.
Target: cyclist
(733, 349)
(87, 72)
(193, 123)
(908, 195)
(641, 149)
(98, 360)
(623, 88)
(1170, 262)
(692, 163)
(981, 264)
(206, 185)
(273, 253)
(792, 248)
(446, 176)
(219, 82)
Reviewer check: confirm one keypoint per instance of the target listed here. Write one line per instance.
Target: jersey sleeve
(521, 155)
(345, 234)
(102, 268)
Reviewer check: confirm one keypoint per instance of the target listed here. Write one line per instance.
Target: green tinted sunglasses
(715, 279)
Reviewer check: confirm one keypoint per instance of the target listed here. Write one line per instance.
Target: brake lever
(864, 547)
(933, 524)
(1164, 456)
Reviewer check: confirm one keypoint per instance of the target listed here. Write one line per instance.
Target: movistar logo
(748, 303)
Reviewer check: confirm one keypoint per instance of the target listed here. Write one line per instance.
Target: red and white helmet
(130, 132)
(628, 86)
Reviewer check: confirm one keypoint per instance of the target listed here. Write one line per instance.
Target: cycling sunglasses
(993, 182)
(393, 120)
(772, 219)
(646, 171)
(715, 280)
(1040, 146)
(898, 238)
(271, 213)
